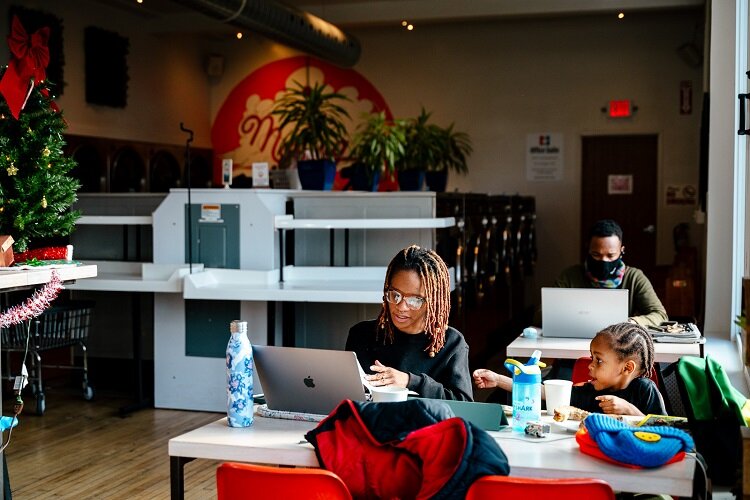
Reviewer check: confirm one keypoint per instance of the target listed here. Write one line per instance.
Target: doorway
(619, 175)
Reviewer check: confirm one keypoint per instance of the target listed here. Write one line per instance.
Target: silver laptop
(581, 312)
(307, 380)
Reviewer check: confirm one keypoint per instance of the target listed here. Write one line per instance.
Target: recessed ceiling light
(404, 23)
(239, 35)
(410, 27)
(139, 1)
(620, 15)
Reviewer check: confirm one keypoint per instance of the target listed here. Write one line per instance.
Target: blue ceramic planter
(316, 174)
(436, 181)
(411, 180)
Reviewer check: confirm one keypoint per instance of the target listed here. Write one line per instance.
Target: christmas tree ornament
(12, 170)
(34, 305)
(44, 202)
(26, 70)
(46, 152)
(46, 253)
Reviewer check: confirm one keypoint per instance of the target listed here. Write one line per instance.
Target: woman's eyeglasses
(413, 302)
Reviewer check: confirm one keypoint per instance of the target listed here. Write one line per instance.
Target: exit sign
(620, 109)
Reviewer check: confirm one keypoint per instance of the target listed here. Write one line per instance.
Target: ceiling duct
(284, 24)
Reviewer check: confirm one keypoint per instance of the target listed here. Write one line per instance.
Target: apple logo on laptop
(309, 382)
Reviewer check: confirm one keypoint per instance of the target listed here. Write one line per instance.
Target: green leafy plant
(458, 148)
(741, 321)
(424, 143)
(434, 148)
(378, 143)
(314, 118)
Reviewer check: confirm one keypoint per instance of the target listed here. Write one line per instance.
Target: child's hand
(617, 406)
(485, 379)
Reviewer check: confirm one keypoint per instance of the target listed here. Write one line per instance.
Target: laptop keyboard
(264, 411)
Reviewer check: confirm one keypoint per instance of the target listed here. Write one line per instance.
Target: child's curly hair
(631, 341)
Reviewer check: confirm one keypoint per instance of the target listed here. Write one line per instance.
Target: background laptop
(307, 380)
(581, 312)
(487, 416)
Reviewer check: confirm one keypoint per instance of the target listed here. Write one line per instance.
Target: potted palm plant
(457, 148)
(313, 119)
(430, 152)
(377, 146)
(423, 147)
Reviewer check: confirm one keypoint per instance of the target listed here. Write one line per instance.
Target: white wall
(499, 80)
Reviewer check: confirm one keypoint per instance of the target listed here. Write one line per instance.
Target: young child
(622, 356)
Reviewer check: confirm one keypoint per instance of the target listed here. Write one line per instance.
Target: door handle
(743, 98)
(650, 229)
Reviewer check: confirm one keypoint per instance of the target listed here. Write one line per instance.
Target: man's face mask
(602, 269)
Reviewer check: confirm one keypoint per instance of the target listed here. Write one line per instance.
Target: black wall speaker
(214, 65)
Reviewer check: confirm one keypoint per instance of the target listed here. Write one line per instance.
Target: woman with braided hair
(622, 357)
(410, 343)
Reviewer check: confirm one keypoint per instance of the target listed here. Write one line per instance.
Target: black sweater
(641, 393)
(446, 376)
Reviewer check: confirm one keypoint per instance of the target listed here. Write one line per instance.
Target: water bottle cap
(528, 377)
(238, 326)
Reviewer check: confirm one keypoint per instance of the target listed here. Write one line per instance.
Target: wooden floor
(81, 449)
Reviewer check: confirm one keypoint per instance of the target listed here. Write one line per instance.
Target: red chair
(526, 487)
(235, 481)
(581, 372)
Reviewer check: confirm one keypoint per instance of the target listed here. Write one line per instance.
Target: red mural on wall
(247, 132)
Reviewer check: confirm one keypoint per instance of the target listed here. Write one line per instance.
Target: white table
(282, 442)
(577, 348)
(23, 278)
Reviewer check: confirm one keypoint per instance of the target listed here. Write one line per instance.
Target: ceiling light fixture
(620, 15)
(410, 27)
(239, 35)
(404, 23)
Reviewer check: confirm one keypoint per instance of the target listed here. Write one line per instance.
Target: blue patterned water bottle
(239, 376)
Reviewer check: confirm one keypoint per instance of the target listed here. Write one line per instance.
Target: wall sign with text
(544, 157)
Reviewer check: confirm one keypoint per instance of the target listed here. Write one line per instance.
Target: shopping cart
(63, 325)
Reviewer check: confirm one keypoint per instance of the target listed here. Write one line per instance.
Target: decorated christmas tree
(36, 192)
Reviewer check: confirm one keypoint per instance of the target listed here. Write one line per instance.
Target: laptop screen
(581, 312)
(487, 416)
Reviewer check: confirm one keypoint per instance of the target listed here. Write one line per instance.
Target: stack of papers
(684, 333)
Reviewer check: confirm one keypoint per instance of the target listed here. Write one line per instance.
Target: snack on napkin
(567, 412)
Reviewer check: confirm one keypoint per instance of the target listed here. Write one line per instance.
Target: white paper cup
(557, 393)
(389, 394)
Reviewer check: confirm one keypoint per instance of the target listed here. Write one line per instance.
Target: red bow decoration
(30, 57)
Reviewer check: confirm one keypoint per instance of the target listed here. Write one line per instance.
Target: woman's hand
(385, 375)
(485, 379)
(617, 406)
